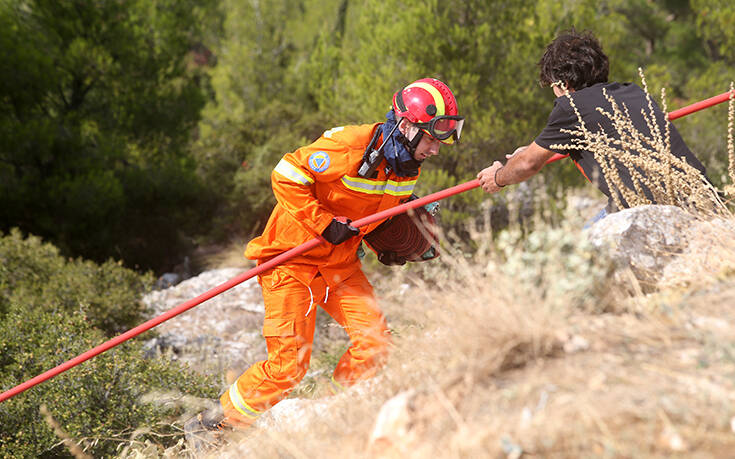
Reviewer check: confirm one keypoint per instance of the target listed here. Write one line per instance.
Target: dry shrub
(453, 333)
(646, 157)
(730, 189)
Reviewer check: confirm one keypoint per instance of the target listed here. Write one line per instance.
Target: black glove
(391, 258)
(340, 230)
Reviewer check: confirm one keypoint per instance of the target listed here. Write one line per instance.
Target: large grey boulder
(709, 254)
(643, 239)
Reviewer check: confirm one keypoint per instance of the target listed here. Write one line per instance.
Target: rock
(644, 239)
(167, 343)
(221, 333)
(392, 424)
(711, 251)
(293, 415)
(576, 343)
(167, 280)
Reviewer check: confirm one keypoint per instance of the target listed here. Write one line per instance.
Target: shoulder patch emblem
(319, 161)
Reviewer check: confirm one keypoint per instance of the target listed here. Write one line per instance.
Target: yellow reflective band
(336, 387)
(390, 187)
(438, 99)
(240, 405)
(292, 173)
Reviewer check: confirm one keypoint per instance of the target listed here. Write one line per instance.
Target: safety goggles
(445, 128)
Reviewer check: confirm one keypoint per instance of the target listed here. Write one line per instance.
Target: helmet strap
(413, 143)
(412, 165)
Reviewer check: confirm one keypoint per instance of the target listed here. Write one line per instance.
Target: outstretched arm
(524, 163)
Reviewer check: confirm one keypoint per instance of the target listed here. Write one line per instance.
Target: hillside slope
(491, 361)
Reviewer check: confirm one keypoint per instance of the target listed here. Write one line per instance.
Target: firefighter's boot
(204, 431)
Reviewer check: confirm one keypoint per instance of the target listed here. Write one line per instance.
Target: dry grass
(486, 365)
(492, 358)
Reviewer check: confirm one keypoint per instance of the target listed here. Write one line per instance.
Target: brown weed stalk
(730, 190)
(70, 444)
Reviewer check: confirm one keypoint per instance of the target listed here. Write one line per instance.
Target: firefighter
(348, 173)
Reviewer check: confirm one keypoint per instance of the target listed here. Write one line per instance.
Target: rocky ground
(493, 358)
(221, 334)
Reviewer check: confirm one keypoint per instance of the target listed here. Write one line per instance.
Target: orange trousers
(288, 328)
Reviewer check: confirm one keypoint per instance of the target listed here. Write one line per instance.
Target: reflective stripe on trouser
(288, 329)
(237, 412)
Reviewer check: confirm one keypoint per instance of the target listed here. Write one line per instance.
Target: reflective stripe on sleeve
(240, 405)
(292, 173)
(390, 187)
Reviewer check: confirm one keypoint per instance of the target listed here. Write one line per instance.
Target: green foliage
(124, 137)
(474, 47)
(51, 308)
(716, 24)
(98, 401)
(261, 108)
(33, 274)
(568, 270)
(97, 104)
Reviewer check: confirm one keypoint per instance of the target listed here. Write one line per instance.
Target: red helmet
(430, 105)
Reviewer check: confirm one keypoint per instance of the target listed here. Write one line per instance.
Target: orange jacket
(313, 185)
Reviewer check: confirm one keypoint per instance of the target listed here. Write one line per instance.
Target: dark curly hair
(574, 58)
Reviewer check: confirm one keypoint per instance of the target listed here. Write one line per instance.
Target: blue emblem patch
(319, 161)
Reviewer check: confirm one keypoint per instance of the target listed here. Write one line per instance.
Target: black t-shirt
(587, 100)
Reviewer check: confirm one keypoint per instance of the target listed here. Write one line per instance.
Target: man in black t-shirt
(576, 61)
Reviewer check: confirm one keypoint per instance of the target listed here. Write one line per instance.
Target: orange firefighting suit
(313, 185)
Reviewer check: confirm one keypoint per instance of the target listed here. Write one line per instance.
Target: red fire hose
(306, 246)
(286, 256)
(695, 107)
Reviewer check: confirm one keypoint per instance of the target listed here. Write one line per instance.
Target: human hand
(339, 230)
(487, 178)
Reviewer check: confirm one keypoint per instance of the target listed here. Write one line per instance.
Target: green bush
(33, 274)
(560, 263)
(98, 401)
(51, 311)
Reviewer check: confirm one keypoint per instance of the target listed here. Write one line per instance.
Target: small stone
(511, 449)
(576, 344)
(671, 440)
(393, 421)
